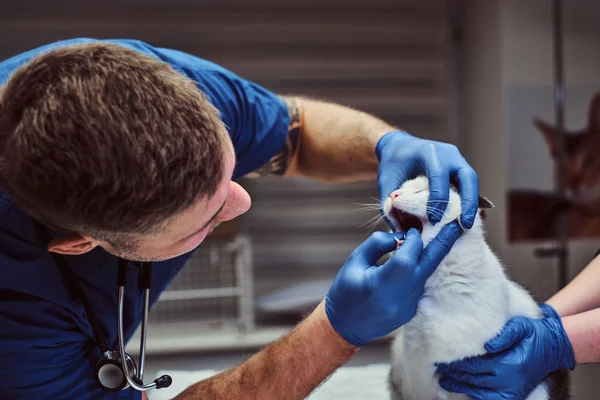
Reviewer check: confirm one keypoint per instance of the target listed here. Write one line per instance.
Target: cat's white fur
(466, 302)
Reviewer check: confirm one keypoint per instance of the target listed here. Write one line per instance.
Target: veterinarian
(527, 350)
(117, 159)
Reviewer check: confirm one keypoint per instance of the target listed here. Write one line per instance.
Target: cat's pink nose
(395, 194)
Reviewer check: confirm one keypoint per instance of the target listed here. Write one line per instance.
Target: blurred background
(470, 72)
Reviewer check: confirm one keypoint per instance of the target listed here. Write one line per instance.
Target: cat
(581, 164)
(466, 302)
(532, 213)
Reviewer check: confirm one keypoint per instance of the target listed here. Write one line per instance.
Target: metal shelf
(209, 304)
(195, 294)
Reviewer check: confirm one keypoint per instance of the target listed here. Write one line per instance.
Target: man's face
(187, 230)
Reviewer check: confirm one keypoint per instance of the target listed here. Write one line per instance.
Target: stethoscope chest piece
(115, 370)
(109, 371)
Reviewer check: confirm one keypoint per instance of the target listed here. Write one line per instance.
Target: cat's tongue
(406, 220)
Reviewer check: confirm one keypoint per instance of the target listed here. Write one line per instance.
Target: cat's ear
(483, 206)
(594, 114)
(550, 135)
(485, 203)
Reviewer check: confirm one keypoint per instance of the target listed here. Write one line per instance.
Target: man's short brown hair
(102, 140)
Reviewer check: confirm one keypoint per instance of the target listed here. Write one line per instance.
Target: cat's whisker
(369, 204)
(438, 215)
(368, 207)
(372, 227)
(436, 212)
(372, 223)
(375, 218)
(433, 209)
(430, 209)
(376, 214)
(411, 201)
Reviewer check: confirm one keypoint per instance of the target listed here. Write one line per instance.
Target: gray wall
(507, 50)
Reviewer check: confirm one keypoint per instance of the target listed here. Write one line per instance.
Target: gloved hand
(519, 358)
(549, 311)
(367, 301)
(403, 156)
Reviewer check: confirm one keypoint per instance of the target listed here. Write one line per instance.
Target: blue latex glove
(549, 311)
(366, 301)
(403, 156)
(519, 358)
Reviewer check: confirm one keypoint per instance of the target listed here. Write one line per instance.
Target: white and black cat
(467, 301)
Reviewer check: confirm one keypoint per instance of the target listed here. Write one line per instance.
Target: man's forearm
(584, 334)
(336, 143)
(581, 294)
(290, 368)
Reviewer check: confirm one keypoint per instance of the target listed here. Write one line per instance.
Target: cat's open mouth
(405, 221)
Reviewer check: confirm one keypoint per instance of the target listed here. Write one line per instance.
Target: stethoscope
(115, 370)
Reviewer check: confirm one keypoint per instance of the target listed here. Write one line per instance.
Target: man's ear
(72, 244)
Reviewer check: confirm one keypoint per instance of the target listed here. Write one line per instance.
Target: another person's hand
(366, 301)
(403, 156)
(518, 360)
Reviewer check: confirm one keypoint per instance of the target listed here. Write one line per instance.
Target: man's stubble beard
(131, 256)
(213, 227)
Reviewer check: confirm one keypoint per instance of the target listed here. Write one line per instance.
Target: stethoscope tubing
(140, 372)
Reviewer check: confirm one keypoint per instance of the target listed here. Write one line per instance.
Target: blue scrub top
(47, 347)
